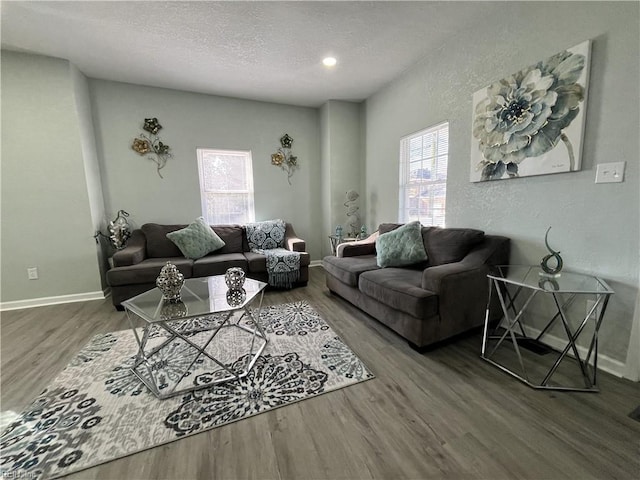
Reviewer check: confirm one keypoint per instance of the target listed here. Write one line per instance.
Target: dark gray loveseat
(136, 267)
(428, 302)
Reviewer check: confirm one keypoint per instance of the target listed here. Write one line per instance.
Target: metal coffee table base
(155, 364)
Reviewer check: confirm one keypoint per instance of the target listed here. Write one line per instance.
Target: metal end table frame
(143, 358)
(513, 319)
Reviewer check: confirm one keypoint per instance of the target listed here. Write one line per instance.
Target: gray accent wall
(46, 211)
(93, 177)
(596, 227)
(190, 120)
(342, 168)
(46, 214)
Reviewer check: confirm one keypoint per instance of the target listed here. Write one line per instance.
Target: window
(423, 175)
(226, 186)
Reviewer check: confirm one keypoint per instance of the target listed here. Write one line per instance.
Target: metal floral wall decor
(150, 145)
(532, 122)
(283, 157)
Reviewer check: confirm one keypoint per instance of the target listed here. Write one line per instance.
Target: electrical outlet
(32, 273)
(596, 313)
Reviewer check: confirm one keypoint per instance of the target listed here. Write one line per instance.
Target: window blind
(424, 157)
(226, 186)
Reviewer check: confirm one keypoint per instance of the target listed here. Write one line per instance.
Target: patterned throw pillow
(266, 235)
(196, 240)
(402, 246)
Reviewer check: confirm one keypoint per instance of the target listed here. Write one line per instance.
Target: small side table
(532, 354)
(336, 240)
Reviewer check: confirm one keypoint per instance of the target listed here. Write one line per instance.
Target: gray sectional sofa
(427, 302)
(136, 267)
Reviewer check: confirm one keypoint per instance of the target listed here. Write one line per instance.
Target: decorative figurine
(339, 232)
(352, 211)
(119, 230)
(363, 232)
(544, 264)
(170, 282)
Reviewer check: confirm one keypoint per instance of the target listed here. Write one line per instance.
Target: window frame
(405, 181)
(201, 153)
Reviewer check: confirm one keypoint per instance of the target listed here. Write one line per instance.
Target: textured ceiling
(270, 51)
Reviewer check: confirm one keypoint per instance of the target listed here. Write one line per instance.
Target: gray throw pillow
(402, 246)
(196, 240)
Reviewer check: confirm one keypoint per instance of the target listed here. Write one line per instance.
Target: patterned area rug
(96, 410)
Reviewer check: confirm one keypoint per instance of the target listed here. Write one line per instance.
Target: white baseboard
(315, 263)
(607, 364)
(43, 301)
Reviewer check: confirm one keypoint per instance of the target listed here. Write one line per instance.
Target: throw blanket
(267, 238)
(283, 266)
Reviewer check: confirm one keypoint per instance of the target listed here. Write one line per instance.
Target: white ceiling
(270, 51)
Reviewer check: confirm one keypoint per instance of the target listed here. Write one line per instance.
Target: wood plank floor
(442, 414)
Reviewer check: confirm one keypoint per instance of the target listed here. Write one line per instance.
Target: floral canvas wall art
(532, 122)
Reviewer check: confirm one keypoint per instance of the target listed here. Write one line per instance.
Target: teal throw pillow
(402, 246)
(196, 240)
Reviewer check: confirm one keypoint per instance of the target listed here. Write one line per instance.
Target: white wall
(189, 121)
(46, 215)
(596, 227)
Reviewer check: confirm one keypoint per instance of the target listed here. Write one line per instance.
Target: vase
(234, 277)
(170, 282)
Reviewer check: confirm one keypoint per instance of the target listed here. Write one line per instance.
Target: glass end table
(210, 336)
(544, 338)
(336, 240)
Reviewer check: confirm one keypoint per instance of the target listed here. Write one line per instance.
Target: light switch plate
(610, 172)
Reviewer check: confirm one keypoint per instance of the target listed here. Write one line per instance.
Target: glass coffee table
(548, 334)
(210, 336)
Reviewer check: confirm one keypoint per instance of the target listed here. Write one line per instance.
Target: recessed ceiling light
(329, 62)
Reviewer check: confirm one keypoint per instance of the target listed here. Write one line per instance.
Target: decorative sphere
(234, 277)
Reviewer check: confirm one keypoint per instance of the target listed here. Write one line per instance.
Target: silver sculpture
(352, 211)
(170, 282)
(544, 264)
(119, 230)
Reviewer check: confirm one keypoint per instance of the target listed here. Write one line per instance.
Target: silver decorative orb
(234, 277)
(170, 282)
(236, 296)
